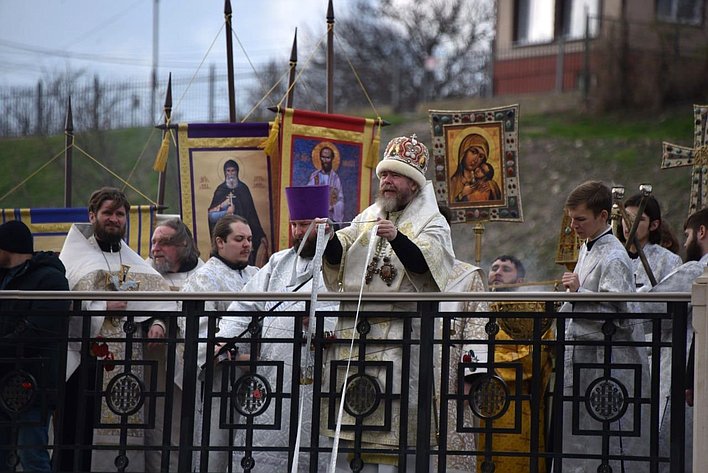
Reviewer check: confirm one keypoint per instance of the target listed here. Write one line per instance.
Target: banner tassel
(161, 159)
(270, 144)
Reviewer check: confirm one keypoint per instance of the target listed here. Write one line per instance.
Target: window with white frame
(575, 15)
(543, 21)
(534, 21)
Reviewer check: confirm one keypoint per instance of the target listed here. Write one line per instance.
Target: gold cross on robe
(677, 156)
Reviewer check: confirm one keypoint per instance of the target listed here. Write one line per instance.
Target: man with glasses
(173, 254)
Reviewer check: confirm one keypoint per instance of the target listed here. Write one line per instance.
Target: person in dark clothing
(30, 334)
(233, 197)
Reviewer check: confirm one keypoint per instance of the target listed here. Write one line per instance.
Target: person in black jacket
(30, 334)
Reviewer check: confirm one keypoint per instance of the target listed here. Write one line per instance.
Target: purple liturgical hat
(308, 202)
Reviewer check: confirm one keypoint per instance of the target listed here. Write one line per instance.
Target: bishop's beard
(388, 204)
(395, 202)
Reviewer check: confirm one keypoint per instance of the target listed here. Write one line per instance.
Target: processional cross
(678, 156)
(568, 245)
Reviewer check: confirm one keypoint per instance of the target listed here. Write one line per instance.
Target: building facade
(626, 52)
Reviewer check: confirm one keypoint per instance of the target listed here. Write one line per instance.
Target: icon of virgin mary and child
(473, 180)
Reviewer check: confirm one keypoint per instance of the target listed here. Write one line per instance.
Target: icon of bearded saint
(326, 160)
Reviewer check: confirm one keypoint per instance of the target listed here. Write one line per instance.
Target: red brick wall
(536, 74)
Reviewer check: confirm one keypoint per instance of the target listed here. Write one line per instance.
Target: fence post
(560, 64)
(95, 113)
(586, 60)
(426, 311)
(212, 91)
(699, 300)
(40, 111)
(191, 311)
(677, 413)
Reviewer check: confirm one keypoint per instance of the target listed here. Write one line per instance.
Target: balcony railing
(420, 399)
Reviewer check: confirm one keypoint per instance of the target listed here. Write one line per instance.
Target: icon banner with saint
(318, 149)
(222, 171)
(476, 157)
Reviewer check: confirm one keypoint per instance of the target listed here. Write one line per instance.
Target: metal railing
(409, 398)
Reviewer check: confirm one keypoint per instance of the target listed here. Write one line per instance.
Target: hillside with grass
(558, 150)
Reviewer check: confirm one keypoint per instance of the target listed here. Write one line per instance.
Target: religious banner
(476, 156)
(696, 157)
(326, 149)
(49, 226)
(223, 171)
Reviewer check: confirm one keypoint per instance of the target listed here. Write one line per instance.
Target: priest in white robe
(603, 266)
(679, 280)
(226, 271)
(173, 254)
(97, 259)
(286, 271)
(648, 233)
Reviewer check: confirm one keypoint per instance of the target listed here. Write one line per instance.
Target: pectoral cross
(120, 281)
(678, 156)
(387, 271)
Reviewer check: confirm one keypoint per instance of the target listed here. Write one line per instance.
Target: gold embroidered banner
(223, 171)
(326, 149)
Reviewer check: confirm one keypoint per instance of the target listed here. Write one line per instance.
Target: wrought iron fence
(419, 398)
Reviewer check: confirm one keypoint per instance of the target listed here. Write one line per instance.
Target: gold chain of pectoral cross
(387, 272)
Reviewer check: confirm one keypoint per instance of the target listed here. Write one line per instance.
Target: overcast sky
(114, 38)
